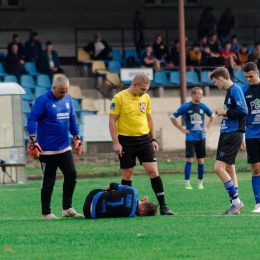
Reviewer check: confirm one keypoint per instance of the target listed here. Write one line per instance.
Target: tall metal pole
(182, 41)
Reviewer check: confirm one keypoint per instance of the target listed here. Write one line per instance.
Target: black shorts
(135, 146)
(253, 150)
(196, 146)
(228, 146)
(88, 201)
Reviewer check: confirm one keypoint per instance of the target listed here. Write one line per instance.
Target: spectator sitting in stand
(225, 24)
(214, 48)
(235, 46)
(243, 56)
(49, 62)
(14, 62)
(255, 56)
(208, 57)
(202, 42)
(16, 40)
(149, 60)
(33, 49)
(99, 49)
(194, 56)
(229, 57)
(160, 50)
(175, 53)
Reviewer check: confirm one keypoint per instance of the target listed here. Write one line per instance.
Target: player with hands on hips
(193, 113)
(49, 123)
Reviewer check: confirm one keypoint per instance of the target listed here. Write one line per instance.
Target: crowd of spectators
(214, 47)
(46, 60)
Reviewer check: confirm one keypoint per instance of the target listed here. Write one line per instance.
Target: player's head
(196, 94)
(251, 73)
(140, 84)
(147, 208)
(220, 75)
(60, 87)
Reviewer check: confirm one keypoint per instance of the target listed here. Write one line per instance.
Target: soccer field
(195, 232)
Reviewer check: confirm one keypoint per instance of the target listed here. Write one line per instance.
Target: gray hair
(61, 81)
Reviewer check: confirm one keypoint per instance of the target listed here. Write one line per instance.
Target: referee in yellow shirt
(132, 130)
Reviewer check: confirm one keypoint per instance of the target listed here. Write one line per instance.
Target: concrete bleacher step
(84, 83)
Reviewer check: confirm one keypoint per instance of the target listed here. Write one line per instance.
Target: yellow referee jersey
(132, 112)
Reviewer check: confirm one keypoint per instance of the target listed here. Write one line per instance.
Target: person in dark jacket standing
(225, 24)
(33, 49)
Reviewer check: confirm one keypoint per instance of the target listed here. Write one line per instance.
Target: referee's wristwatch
(153, 140)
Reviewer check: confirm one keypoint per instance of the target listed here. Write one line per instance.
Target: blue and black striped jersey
(252, 96)
(194, 118)
(235, 103)
(121, 202)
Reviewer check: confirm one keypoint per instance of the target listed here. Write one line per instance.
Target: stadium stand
(239, 77)
(114, 66)
(113, 80)
(28, 95)
(40, 91)
(192, 78)
(27, 81)
(2, 71)
(117, 56)
(161, 79)
(30, 67)
(26, 109)
(99, 68)
(10, 78)
(75, 92)
(43, 80)
(205, 80)
(175, 78)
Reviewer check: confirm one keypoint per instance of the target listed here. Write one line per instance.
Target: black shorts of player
(196, 146)
(228, 146)
(253, 150)
(88, 201)
(135, 146)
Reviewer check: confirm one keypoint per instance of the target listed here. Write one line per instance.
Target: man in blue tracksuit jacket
(117, 201)
(232, 128)
(49, 123)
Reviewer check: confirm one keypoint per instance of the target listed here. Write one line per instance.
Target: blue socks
(187, 170)
(200, 171)
(232, 191)
(256, 188)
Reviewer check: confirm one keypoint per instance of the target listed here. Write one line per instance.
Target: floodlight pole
(182, 42)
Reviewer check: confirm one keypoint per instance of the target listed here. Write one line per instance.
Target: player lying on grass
(117, 201)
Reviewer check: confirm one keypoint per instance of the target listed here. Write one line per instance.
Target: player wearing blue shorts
(193, 113)
(251, 91)
(231, 135)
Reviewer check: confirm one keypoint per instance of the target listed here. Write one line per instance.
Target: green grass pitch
(195, 232)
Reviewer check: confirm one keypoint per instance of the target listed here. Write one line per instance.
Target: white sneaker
(257, 208)
(49, 216)
(71, 213)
